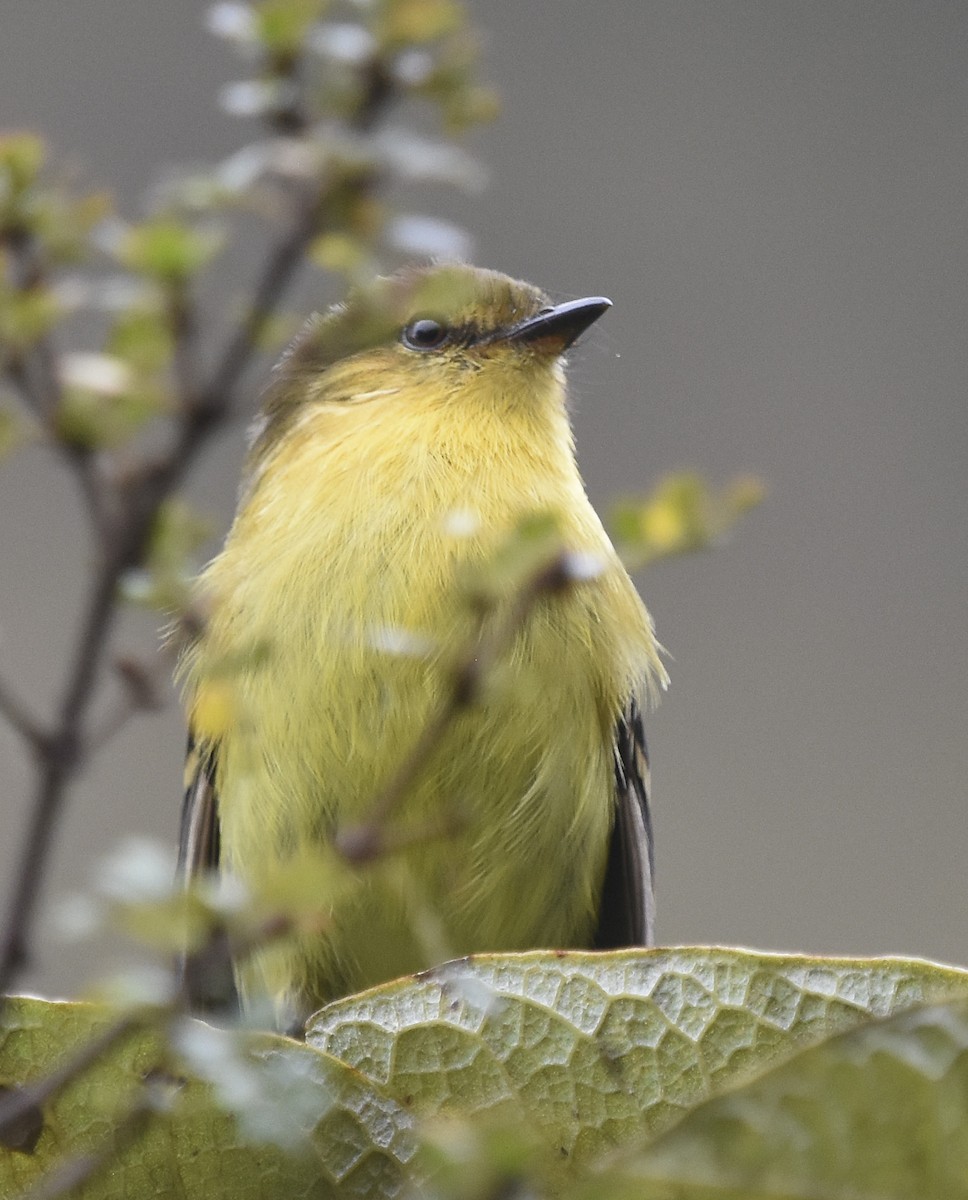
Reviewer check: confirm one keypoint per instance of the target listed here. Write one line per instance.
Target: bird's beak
(554, 329)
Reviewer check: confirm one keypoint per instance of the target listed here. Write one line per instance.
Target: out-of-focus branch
(491, 640)
(77, 1171)
(15, 713)
(134, 502)
(43, 404)
(35, 376)
(140, 692)
(58, 758)
(15, 1105)
(277, 273)
(20, 376)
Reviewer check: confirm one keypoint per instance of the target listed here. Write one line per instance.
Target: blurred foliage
(323, 77)
(533, 544)
(165, 580)
(12, 432)
(166, 250)
(684, 513)
(104, 400)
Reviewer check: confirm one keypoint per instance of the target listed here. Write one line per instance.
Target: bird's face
(429, 337)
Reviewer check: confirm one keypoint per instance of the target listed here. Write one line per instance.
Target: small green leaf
(12, 432)
(63, 222)
(167, 249)
(470, 105)
(179, 531)
(25, 316)
(342, 254)
(535, 542)
(684, 513)
(104, 402)
(164, 582)
(445, 75)
(142, 338)
(414, 22)
(281, 25)
(22, 156)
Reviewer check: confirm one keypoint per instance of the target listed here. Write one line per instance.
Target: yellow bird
(403, 439)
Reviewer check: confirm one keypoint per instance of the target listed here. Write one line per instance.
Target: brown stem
(80, 459)
(16, 714)
(61, 753)
(68, 1178)
(124, 541)
(15, 1105)
(368, 841)
(184, 331)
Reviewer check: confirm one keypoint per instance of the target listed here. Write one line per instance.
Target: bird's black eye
(424, 334)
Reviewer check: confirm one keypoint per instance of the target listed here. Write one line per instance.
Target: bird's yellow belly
(500, 841)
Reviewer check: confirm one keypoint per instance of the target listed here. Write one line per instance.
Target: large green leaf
(357, 1144)
(878, 1113)
(590, 1050)
(578, 1053)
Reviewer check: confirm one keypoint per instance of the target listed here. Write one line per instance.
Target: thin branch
(124, 541)
(370, 840)
(184, 330)
(29, 275)
(20, 911)
(77, 1171)
(46, 359)
(57, 763)
(44, 405)
(139, 693)
(84, 464)
(277, 274)
(19, 376)
(16, 715)
(15, 1105)
(144, 495)
(289, 251)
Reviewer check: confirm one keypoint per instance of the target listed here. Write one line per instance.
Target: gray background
(775, 197)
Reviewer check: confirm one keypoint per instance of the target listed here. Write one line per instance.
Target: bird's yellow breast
(344, 568)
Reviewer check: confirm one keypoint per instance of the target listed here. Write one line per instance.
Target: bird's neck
(400, 458)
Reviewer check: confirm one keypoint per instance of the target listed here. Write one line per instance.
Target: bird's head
(434, 335)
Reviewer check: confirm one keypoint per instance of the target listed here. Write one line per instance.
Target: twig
(184, 331)
(41, 389)
(84, 464)
(80, 458)
(29, 275)
(19, 375)
(366, 842)
(139, 694)
(17, 1104)
(16, 714)
(54, 770)
(137, 501)
(77, 1171)
(286, 256)
(144, 493)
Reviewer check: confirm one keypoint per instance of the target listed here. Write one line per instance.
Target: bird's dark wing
(198, 846)
(627, 913)
(206, 976)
